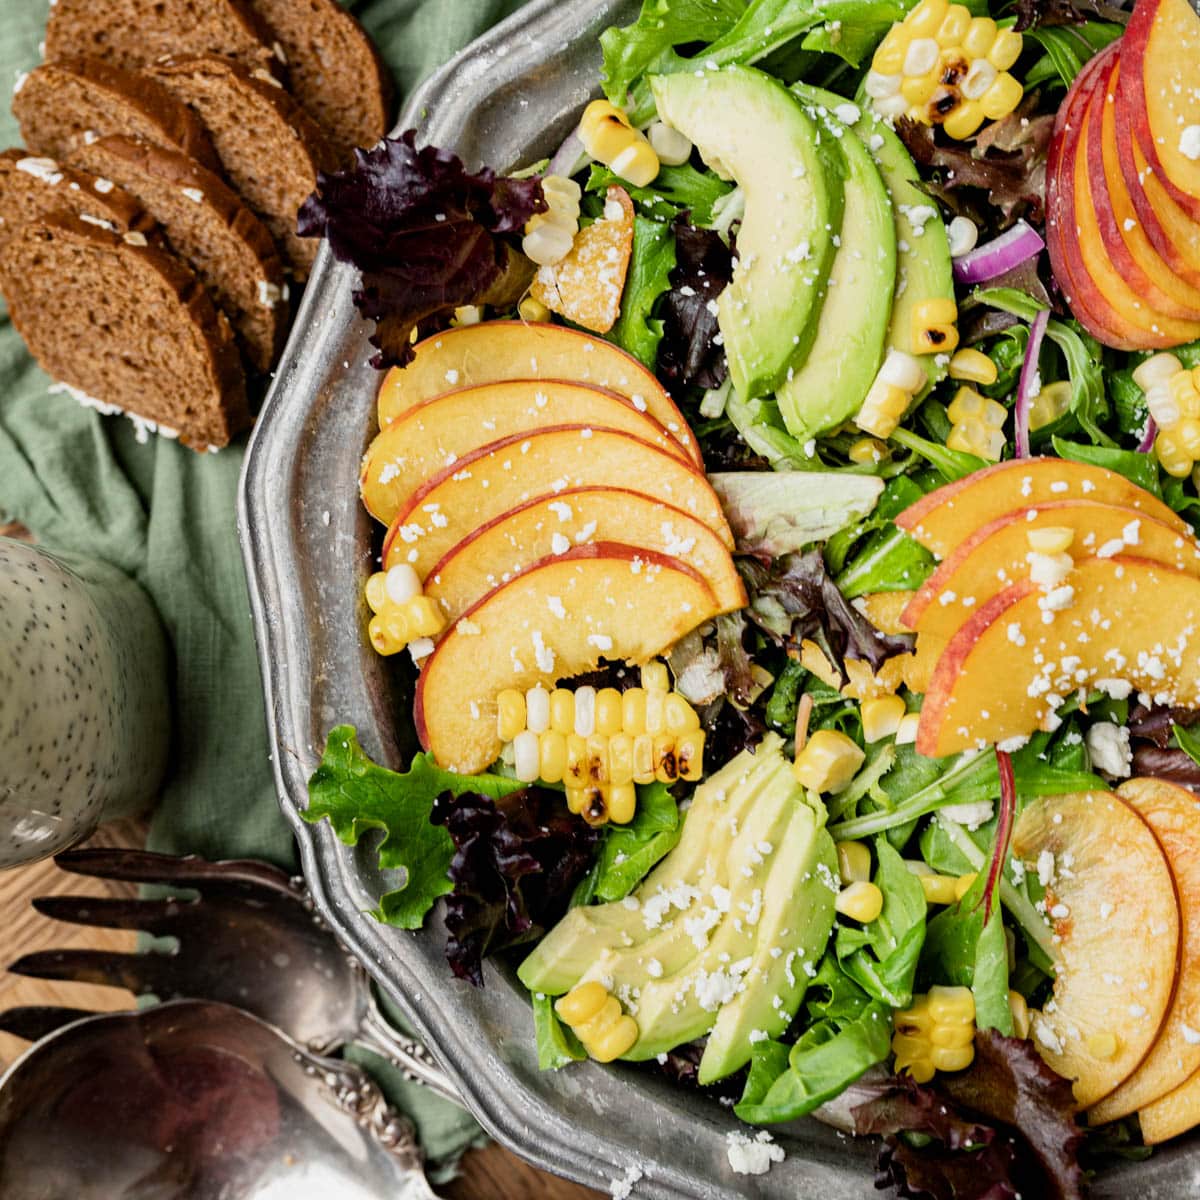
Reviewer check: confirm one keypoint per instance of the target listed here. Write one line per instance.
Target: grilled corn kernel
(921, 57)
(655, 677)
(954, 26)
(882, 409)
(388, 631)
(425, 618)
(913, 1058)
(1050, 539)
(547, 242)
(581, 1004)
(924, 20)
(1102, 1045)
(537, 709)
(643, 758)
(576, 799)
(618, 1039)
(633, 711)
(955, 1058)
(585, 711)
(622, 803)
(1196, 377)
(1020, 1014)
(861, 901)
(949, 1036)
(1049, 404)
(597, 749)
(880, 87)
(854, 862)
(963, 235)
(1158, 368)
(533, 311)
(973, 366)
(562, 710)
(969, 405)
(552, 756)
(562, 194)
(938, 889)
(526, 756)
(906, 734)
(666, 766)
(933, 329)
(868, 450)
(889, 58)
(637, 163)
(1175, 460)
(402, 583)
(881, 717)
(828, 761)
(972, 436)
(1006, 49)
(467, 314)
(678, 715)
(376, 591)
(575, 773)
(1002, 97)
(978, 40)
(903, 371)
(672, 147)
(1182, 390)
(951, 1004)
(598, 117)
(1188, 433)
(918, 89)
(620, 759)
(510, 714)
(964, 883)
(656, 703)
(608, 711)
(689, 751)
(963, 122)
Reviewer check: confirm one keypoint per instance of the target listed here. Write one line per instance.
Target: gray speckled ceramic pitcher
(84, 718)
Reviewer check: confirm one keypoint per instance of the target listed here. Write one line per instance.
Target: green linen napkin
(165, 515)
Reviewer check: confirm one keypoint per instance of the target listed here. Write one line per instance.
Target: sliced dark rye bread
(270, 148)
(33, 188)
(208, 226)
(132, 33)
(61, 105)
(128, 325)
(333, 69)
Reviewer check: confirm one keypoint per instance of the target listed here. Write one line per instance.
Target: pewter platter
(505, 101)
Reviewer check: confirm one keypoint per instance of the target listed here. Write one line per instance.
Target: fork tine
(32, 1022)
(139, 973)
(145, 866)
(147, 916)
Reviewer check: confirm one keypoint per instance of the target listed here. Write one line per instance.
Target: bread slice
(131, 33)
(270, 148)
(208, 227)
(127, 325)
(64, 104)
(333, 69)
(33, 188)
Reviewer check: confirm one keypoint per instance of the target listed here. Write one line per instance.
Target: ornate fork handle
(405, 1053)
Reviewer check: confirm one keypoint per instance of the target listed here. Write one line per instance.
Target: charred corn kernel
(598, 119)
(933, 329)
(973, 436)
(1020, 1014)
(532, 310)
(388, 631)
(633, 711)
(608, 137)
(868, 450)
(954, 26)
(575, 773)
(1173, 458)
(537, 709)
(577, 799)
(964, 883)
(1006, 49)
(622, 803)
(552, 756)
(918, 89)
(643, 758)
(1002, 97)
(861, 901)
(828, 761)
(689, 751)
(655, 710)
(881, 717)
(581, 1004)
(963, 122)
(597, 749)
(973, 366)
(1050, 539)
(608, 711)
(854, 862)
(1049, 404)
(906, 734)
(938, 889)
(977, 41)
(672, 147)
(1158, 368)
(882, 410)
(510, 714)
(425, 618)
(1102, 1045)
(666, 766)
(526, 756)
(585, 711)
(889, 58)
(678, 715)
(620, 759)
(562, 710)
(637, 163)
(1188, 434)
(655, 677)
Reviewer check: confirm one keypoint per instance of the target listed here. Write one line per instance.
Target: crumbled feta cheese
(752, 1155)
(1108, 748)
(1189, 142)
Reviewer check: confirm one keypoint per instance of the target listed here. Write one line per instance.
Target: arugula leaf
(853, 28)
(636, 331)
(1141, 468)
(833, 995)
(950, 464)
(1187, 741)
(676, 190)
(891, 561)
(557, 1046)
(1066, 50)
(357, 795)
(629, 851)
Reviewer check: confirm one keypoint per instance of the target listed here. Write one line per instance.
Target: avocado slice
(833, 382)
(748, 128)
(922, 249)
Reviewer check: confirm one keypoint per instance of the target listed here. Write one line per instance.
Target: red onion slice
(1029, 384)
(568, 158)
(1013, 247)
(1147, 442)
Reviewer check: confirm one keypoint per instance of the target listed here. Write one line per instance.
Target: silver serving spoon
(194, 1100)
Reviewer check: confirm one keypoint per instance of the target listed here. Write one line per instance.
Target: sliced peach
(1112, 905)
(1174, 234)
(995, 555)
(1116, 618)
(508, 473)
(494, 553)
(555, 620)
(426, 439)
(494, 351)
(951, 514)
(1170, 812)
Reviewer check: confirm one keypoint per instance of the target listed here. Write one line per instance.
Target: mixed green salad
(929, 775)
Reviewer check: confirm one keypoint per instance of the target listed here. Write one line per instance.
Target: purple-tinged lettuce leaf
(424, 233)
(516, 861)
(1172, 765)
(688, 353)
(1043, 14)
(929, 1173)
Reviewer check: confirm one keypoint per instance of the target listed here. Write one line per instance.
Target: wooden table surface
(489, 1174)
